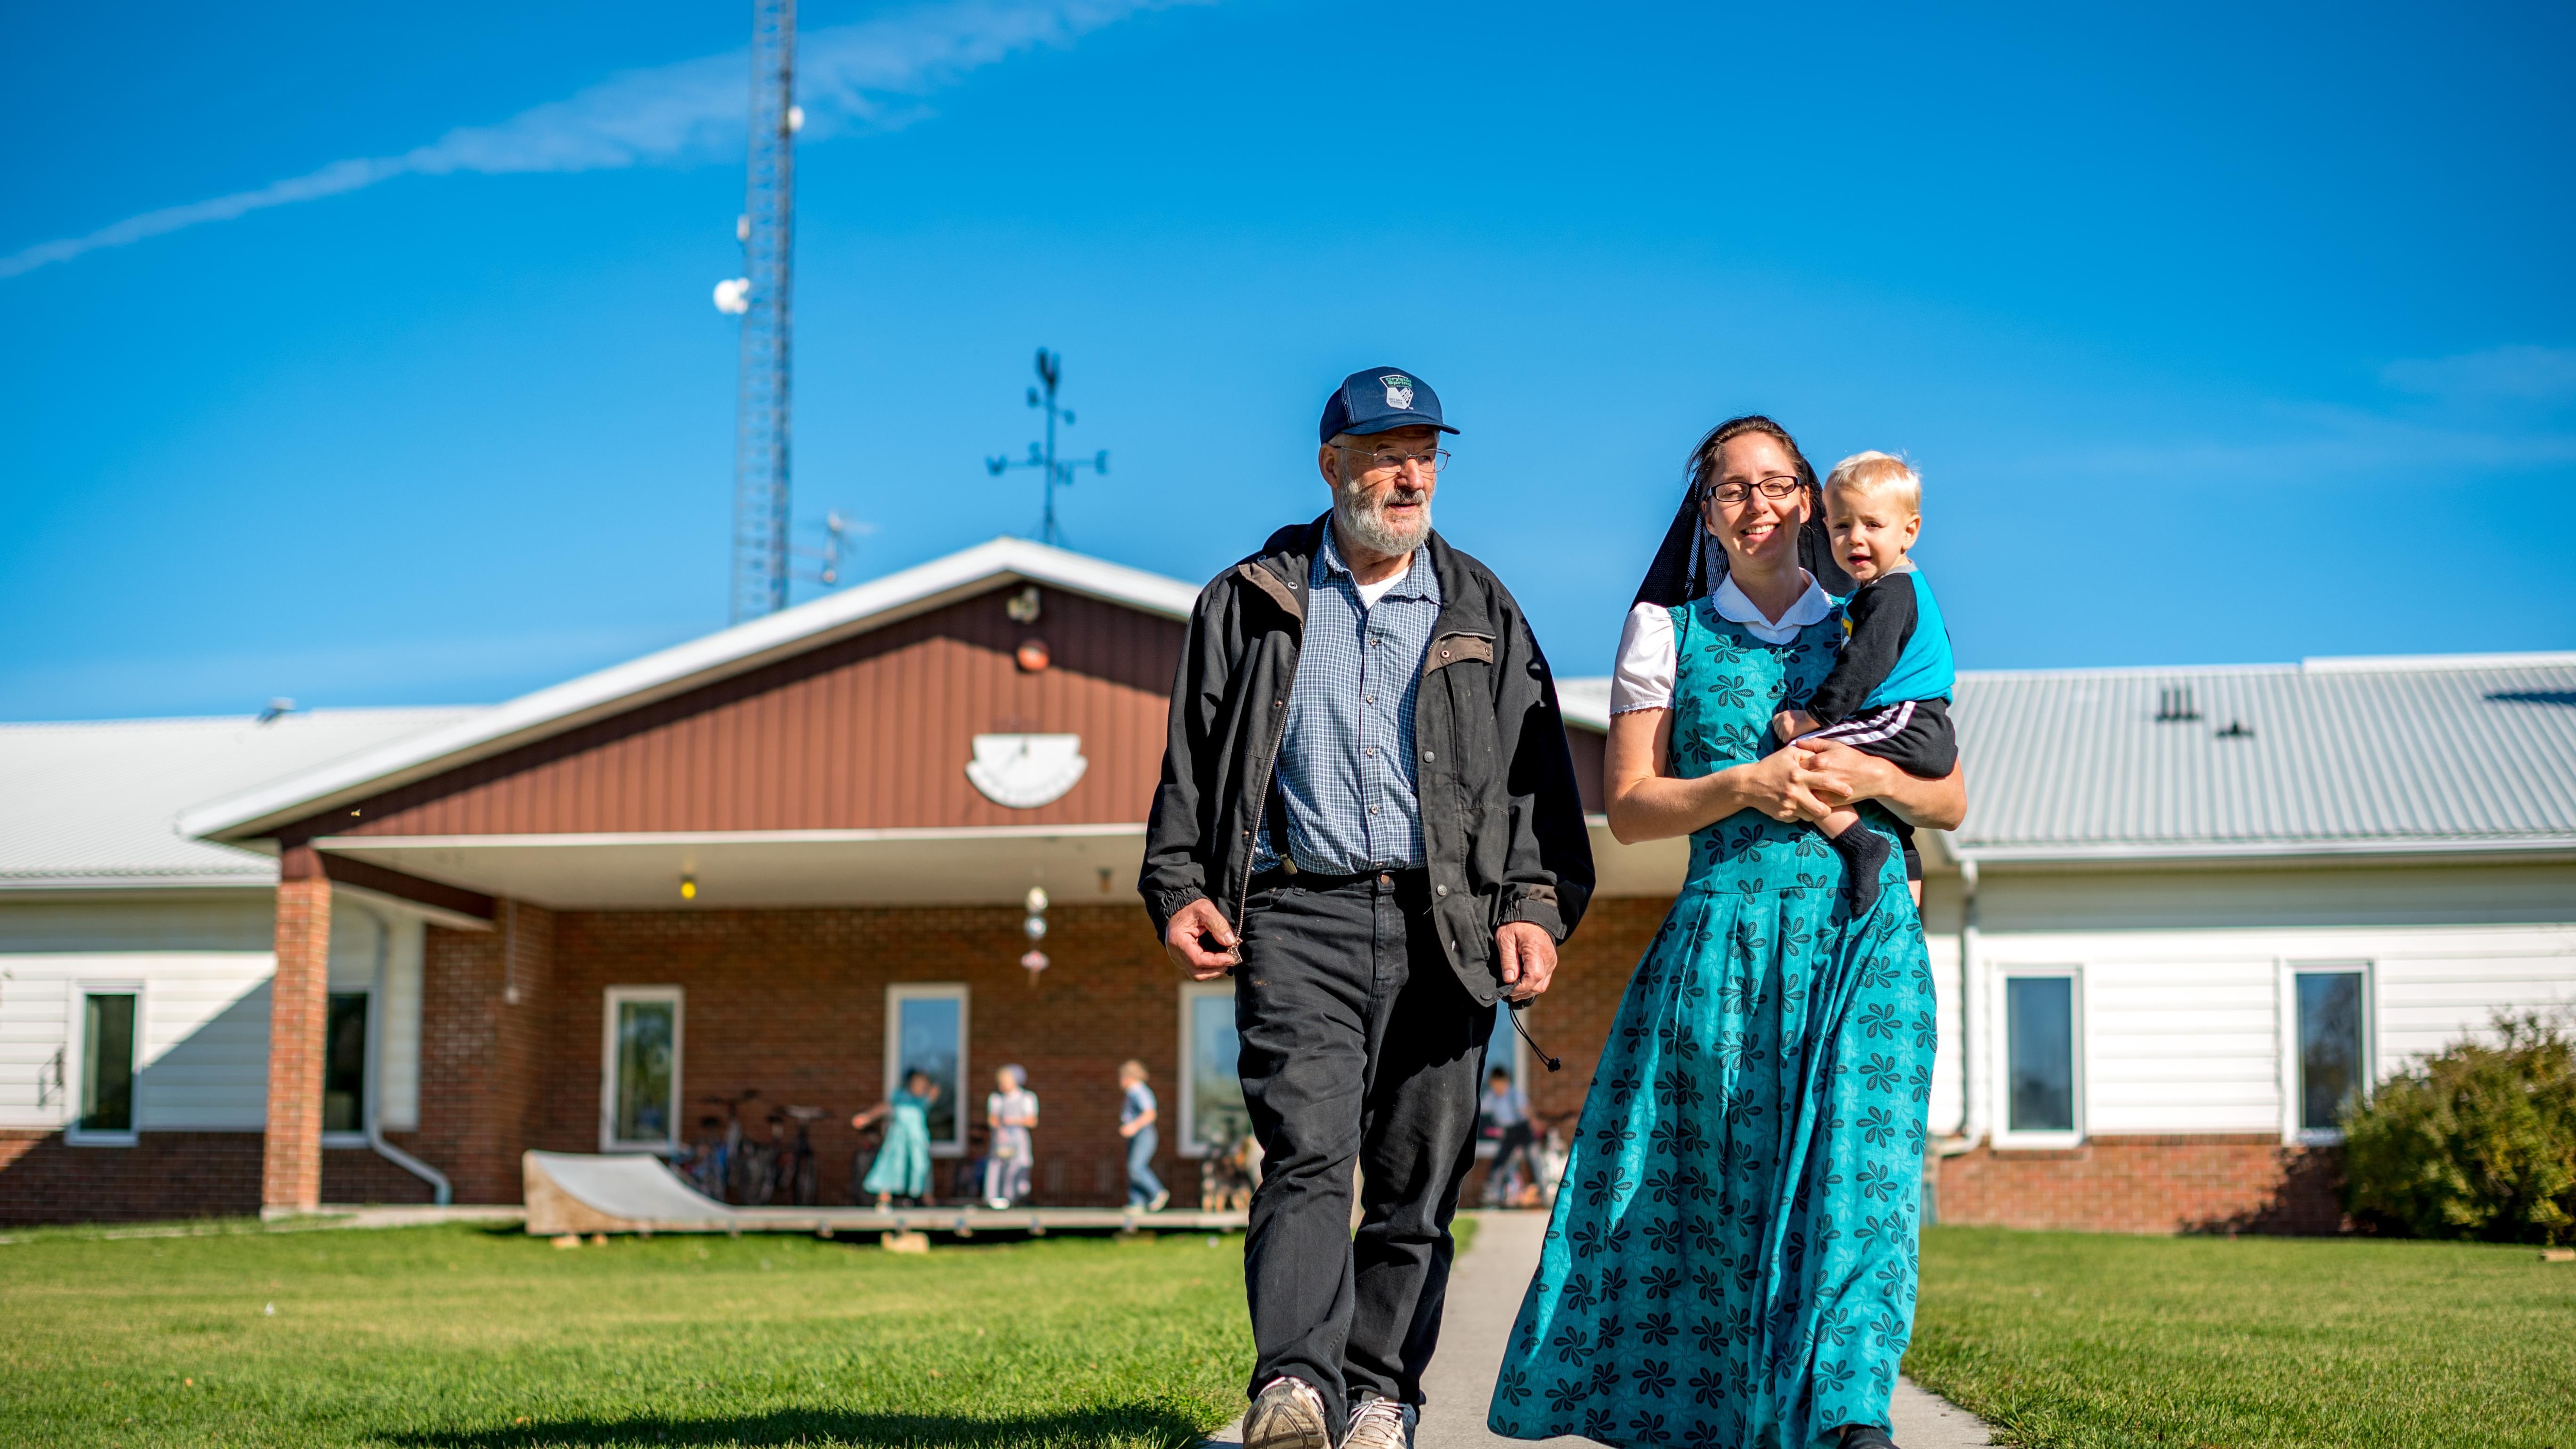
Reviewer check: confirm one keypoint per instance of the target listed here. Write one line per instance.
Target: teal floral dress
(902, 1168)
(1732, 1256)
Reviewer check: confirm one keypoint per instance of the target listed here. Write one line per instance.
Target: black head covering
(1690, 562)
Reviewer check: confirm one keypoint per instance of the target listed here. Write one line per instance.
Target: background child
(1889, 693)
(1011, 1112)
(903, 1165)
(1136, 1118)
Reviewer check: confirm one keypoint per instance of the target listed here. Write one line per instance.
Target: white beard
(1363, 521)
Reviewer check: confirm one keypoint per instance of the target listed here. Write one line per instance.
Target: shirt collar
(1419, 581)
(1811, 607)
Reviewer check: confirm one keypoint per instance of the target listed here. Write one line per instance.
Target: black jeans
(1358, 1045)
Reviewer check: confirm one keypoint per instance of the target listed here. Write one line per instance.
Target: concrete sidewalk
(1485, 1296)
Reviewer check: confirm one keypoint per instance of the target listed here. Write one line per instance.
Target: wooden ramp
(570, 1192)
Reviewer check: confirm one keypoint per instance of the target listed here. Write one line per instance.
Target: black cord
(1517, 1007)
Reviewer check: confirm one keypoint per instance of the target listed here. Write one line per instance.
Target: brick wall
(169, 1175)
(2148, 1184)
(486, 1031)
(793, 1003)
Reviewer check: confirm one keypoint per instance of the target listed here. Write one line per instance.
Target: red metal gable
(870, 732)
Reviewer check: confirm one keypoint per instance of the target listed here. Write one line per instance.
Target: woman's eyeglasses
(1778, 485)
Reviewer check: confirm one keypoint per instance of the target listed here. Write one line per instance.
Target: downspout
(437, 1180)
(1975, 1110)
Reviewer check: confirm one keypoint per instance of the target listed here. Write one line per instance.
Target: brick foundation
(167, 1175)
(2225, 1183)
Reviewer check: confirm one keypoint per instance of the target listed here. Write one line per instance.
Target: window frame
(1999, 1061)
(76, 1061)
(366, 1065)
(611, 999)
(2293, 1069)
(900, 992)
(1185, 1088)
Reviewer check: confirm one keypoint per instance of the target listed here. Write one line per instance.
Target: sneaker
(1288, 1415)
(1379, 1424)
(1160, 1198)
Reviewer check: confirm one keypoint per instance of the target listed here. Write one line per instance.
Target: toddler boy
(1889, 693)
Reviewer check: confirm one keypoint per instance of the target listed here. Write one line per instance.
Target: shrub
(2479, 1141)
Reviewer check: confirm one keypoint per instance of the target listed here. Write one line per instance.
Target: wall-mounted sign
(1026, 771)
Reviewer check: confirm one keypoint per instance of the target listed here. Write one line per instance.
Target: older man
(1368, 815)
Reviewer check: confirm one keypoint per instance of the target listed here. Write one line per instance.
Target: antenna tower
(1059, 472)
(761, 297)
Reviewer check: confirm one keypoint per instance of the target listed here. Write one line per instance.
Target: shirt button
(1372, 752)
(1440, 891)
(1372, 810)
(1426, 757)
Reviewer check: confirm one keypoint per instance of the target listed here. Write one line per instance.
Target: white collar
(1811, 608)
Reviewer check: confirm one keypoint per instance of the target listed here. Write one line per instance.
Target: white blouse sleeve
(1644, 678)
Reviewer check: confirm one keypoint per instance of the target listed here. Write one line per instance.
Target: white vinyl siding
(2186, 998)
(202, 1042)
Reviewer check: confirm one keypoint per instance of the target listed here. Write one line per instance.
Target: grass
(466, 1338)
(2081, 1341)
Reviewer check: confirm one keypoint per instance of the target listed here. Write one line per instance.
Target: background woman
(1732, 1256)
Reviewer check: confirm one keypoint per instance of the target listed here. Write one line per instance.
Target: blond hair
(1880, 475)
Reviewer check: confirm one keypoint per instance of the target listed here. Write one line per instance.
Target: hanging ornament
(1036, 928)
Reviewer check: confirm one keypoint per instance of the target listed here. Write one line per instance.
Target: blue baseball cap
(1380, 400)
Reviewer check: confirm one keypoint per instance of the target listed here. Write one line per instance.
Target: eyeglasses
(1778, 485)
(1431, 462)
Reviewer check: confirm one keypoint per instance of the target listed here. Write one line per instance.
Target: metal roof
(93, 805)
(245, 813)
(2430, 755)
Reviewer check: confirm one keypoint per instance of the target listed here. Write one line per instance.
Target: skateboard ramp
(570, 1192)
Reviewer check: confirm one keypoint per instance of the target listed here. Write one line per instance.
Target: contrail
(849, 77)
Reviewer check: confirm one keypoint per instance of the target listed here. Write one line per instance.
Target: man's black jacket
(1502, 825)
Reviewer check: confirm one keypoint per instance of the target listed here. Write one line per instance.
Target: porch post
(299, 999)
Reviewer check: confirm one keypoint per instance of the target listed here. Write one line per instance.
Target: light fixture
(688, 888)
(1035, 927)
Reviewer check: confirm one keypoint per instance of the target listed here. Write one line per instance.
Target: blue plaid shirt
(1346, 766)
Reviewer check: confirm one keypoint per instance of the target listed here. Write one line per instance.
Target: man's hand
(1526, 956)
(1194, 928)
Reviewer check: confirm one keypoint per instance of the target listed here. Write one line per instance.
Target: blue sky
(2221, 334)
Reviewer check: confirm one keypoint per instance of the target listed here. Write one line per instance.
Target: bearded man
(1368, 816)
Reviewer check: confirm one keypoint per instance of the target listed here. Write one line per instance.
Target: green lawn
(2073, 1341)
(459, 1337)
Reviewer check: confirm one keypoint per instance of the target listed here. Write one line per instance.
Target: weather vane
(1058, 472)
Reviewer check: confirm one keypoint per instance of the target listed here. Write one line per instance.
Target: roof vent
(2173, 704)
(2237, 729)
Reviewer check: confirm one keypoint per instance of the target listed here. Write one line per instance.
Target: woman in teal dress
(902, 1168)
(1731, 1259)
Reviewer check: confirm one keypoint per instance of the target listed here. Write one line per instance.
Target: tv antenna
(1059, 471)
(760, 297)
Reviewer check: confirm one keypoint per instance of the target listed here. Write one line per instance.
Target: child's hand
(1791, 723)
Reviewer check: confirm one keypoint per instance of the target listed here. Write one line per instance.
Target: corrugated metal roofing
(2465, 752)
(94, 803)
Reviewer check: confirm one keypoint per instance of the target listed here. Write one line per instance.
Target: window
(926, 1032)
(640, 1070)
(1212, 1113)
(344, 1063)
(2331, 1064)
(107, 1068)
(2042, 1086)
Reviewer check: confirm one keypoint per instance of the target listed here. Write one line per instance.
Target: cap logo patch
(1399, 391)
